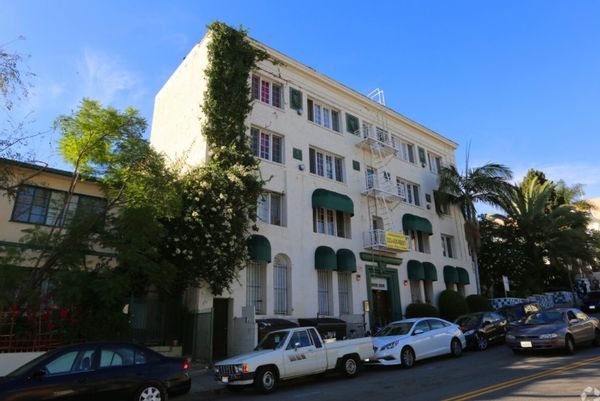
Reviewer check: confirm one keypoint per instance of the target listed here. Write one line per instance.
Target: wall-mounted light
(301, 167)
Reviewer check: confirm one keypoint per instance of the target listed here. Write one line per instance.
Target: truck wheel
(265, 379)
(350, 366)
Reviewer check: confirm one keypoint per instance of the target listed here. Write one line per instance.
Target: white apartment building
(347, 222)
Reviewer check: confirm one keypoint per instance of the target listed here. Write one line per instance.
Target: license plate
(526, 344)
(225, 379)
(592, 307)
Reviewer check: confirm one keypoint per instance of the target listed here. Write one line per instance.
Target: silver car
(554, 328)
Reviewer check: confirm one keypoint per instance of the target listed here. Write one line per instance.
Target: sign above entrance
(379, 284)
(396, 241)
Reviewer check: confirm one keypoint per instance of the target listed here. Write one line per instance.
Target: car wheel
(266, 379)
(569, 344)
(596, 338)
(455, 347)
(235, 389)
(151, 392)
(482, 342)
(350, 366)
(407, 357)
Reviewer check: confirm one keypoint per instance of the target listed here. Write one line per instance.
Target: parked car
(406, 341)
(591, 302)
(554, 328)
(98, 371)
(516, 314)
(291, 353)
(482, 328)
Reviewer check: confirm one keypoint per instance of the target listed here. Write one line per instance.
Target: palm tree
(485, 184)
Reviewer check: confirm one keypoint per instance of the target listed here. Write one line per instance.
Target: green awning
(430, 271)
(450, 274)
(259, 248)
(412, 222)
(332, 200)
(415, 270)
(463, 276)
(346, 261)
(325, 258)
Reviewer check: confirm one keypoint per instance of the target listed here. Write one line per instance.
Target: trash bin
(265, 326)
(328, 327)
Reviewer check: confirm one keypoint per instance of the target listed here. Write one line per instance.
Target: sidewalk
(203, 383)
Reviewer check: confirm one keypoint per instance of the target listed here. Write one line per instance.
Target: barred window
(280, 284)
(324, 289)
(255, 286)
(344, 290)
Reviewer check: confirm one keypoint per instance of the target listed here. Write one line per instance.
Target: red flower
(45, 316)
(64, 313)
(51, 325)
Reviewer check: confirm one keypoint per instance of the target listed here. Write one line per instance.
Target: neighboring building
(347, 217)
(595, 212)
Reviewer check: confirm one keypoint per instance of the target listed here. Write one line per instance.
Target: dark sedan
(98, 371)
(482, 328)
(516, 314)
(591, 302)
(554, 328)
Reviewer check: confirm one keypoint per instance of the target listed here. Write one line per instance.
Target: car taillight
(186, 364)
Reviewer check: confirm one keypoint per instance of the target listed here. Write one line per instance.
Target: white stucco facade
(176, 131)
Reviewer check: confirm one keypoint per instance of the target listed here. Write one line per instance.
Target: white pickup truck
(290, 353)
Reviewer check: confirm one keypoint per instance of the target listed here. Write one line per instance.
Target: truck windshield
(273, 340)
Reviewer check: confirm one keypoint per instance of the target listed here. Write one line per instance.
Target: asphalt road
(495, 374)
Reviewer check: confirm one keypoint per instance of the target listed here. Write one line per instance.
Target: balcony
(376, 139)
(387, 241)
(381, 186)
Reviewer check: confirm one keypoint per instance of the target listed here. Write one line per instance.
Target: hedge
(452, 305)
(421, 310)
(479, 303)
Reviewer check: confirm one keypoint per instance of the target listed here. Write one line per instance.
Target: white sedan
(406, 341)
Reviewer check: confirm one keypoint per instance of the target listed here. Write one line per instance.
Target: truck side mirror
(296, 345)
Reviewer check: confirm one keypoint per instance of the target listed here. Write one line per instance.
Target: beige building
(347, 222)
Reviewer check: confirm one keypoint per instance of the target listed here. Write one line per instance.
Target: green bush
(421, 310)
(479, 303)
(452, 305)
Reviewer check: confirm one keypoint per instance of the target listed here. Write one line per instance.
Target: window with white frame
(368, 131)
(324, 290)
(266, 145)
(267, 91)
(435, 162)
(255, 286)
(280, 284)
(323, 115)
(448, 246)
(408, 191)
(404, 150)
(326, 164)
(345, 292)
(331, 222)
(415, 291)
(270, 208)
(428, 284)
(419, 241)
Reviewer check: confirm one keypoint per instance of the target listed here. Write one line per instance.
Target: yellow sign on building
(396, 241)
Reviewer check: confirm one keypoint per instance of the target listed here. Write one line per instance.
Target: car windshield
(273, 340)
(395, 329)
(546, 317)
(595, 295)
(468, 320)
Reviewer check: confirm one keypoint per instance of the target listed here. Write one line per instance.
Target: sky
(514, 82)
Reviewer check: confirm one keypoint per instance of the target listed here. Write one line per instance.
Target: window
(323, 115)
(408, 191)
(266, 146)
(460, 288)
(448, 246)
(352, 124)
(270, 208)
(404, 150)
(62, 364)
(435, 324)
(415, 291)
(419, 241)
(280, 284)
(422, 158)
(435, 162)
(382, 135)
(299, 339)
(344, 291)
(255, 286)
(267, 91)
(123, 356)
(367, 130)
(315, 338)
(422, 325)
(428, 284)
(324, 290)
(331, 222)
(326, 165)
(296, 99)
(44, 206)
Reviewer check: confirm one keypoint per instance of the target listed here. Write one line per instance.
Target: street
(495, 374)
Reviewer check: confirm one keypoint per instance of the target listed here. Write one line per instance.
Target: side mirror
(417, 332)
(296, 345)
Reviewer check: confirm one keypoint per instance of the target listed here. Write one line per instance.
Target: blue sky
(517, 80)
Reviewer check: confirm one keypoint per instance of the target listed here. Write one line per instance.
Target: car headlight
(390, 345)
(546, 336)
(469, 332)
(241, 368)
(510, 337)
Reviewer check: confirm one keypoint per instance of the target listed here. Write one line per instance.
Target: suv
(591, 302)
(516, 314)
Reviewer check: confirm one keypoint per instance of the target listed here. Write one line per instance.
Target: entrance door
(220, 328)
(381, 302)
